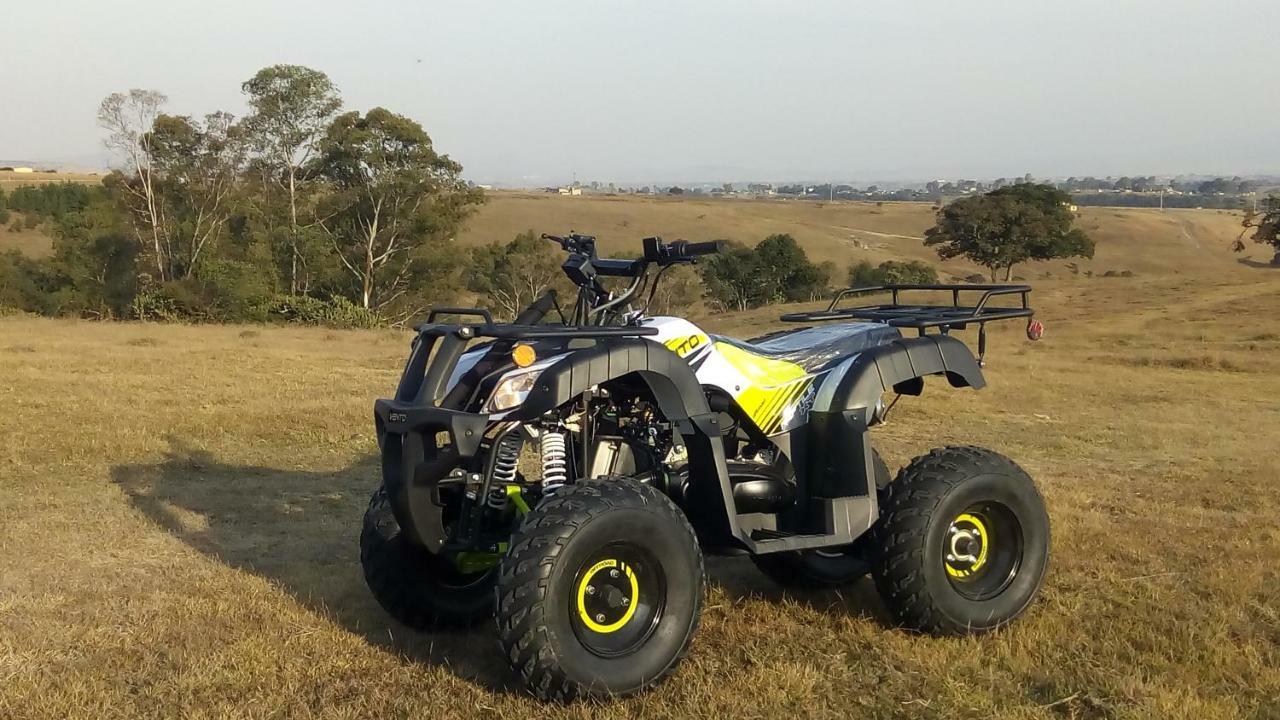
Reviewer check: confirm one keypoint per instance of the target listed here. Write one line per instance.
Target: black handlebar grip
(688, 249)
(538, 309)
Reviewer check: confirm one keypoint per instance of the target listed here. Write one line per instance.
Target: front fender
(683, 402)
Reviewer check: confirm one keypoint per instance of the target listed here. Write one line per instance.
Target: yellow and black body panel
(769, 390)
(775, 386)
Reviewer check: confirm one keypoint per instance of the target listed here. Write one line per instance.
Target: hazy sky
(695, 89)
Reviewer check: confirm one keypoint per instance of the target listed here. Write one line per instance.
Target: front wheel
(963, 542)
(600, 591)
(417, 588)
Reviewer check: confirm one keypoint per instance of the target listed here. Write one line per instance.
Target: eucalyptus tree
(291, 107)
(128, 118)
(198, 164)
(393, 206)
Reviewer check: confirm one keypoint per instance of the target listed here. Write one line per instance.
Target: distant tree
(1265, 224)
(291, 107)
(679, 287)
(787, 270)
(1008, 226)
(775, 270)
(1215, 186)
(395, 203)
(128, 118)
(50, 200)
(94, 260)
(864, 274)
(735, 279)
(824, 274)
(511, 276)
(675, 190)
(23, 283)
(197, 165)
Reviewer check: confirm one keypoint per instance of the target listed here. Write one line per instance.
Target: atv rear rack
(944, 318)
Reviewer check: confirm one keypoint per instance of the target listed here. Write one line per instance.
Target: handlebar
(681, 249)
(583, 267)
(678, 251)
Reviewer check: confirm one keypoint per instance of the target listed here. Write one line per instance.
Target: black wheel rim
(617, 599)
(982, 550)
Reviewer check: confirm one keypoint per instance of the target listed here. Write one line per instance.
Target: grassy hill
(1140, 240)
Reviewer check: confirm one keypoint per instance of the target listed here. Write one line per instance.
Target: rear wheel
(600, 591)
(964, 542)
(825, 567)
(414, 586)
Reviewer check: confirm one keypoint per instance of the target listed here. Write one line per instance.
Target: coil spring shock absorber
(555, 465)
(506, 458)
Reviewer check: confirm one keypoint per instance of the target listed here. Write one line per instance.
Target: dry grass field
(1142, 241)
(32, 243)
(181, 504)
(10, 179)
(179, 510)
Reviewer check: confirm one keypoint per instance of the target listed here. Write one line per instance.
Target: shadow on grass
(300, 530)
(1250, 262)
(741, 581)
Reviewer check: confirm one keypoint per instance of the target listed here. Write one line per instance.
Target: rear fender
(836, 435)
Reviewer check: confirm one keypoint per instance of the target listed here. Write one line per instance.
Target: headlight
(512, 390)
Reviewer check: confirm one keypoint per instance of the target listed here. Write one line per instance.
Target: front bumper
(425, 445)
(422, 447)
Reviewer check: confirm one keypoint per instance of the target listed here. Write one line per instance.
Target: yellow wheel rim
(966, 530)
(584, 589)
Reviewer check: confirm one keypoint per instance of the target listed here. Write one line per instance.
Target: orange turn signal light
(523, 355)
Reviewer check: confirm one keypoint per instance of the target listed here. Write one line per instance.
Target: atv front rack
(924, 317)
(510, 331)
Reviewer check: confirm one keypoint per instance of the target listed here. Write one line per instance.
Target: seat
(816, 348)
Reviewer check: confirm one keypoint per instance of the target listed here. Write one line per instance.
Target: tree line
(299, 203)
(304, 211)
(252, 270)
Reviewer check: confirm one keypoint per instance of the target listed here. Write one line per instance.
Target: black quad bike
(566, 477)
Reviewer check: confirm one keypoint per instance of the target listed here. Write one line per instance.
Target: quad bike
(566, 477)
